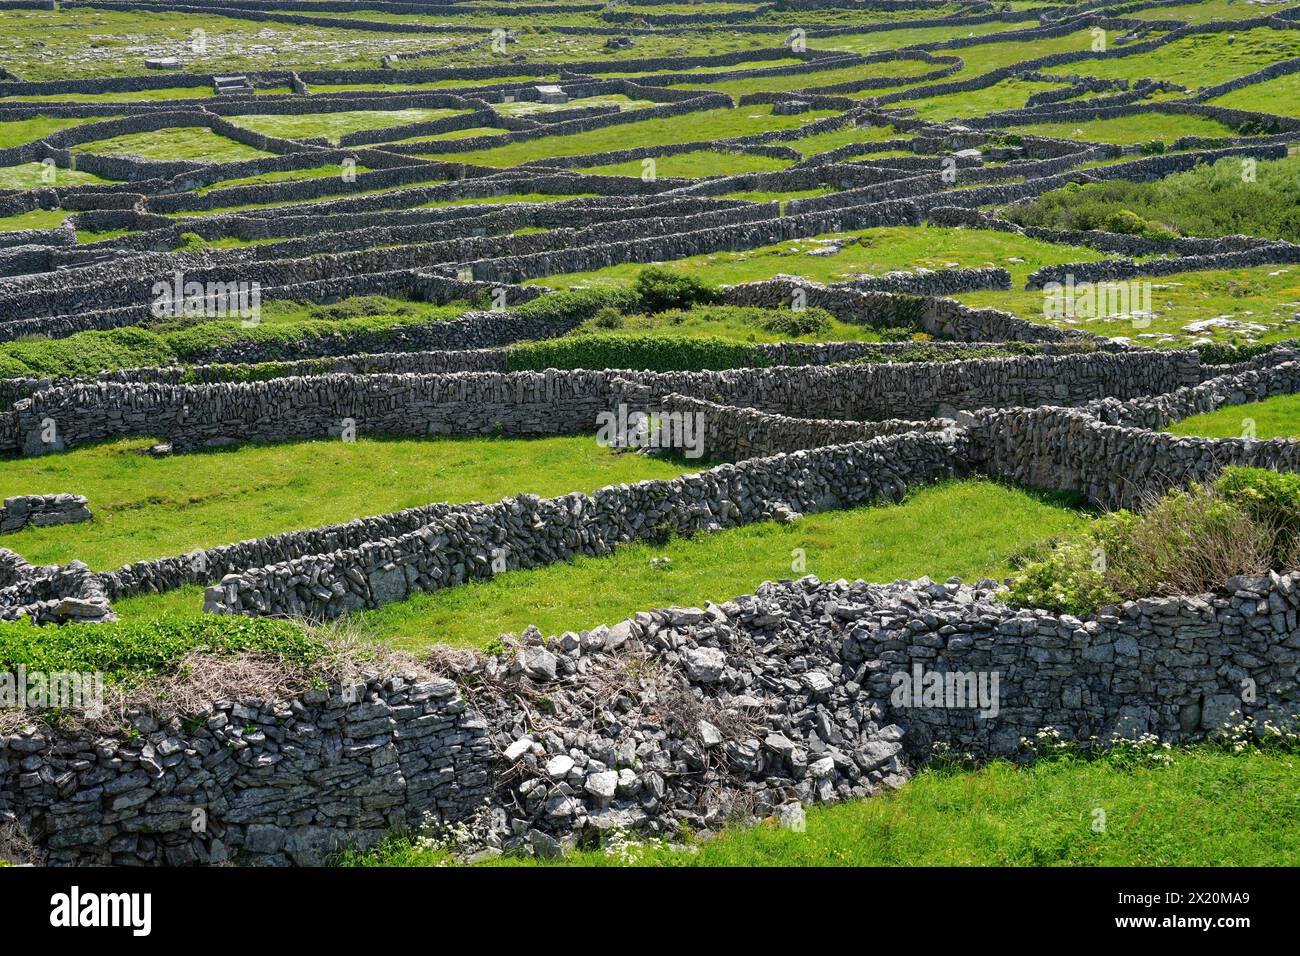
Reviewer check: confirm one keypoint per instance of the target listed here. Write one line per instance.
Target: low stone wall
(1271, 253)
(560, 402)
(528, 532)
(1269, 375)
(831, 669)
(934, 281)
(943, 318)
(735, 434)
(1114, 466)
(20, 511)
(50, 594)
(278, 782)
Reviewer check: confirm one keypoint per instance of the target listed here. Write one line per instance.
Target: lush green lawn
(33, 176)
(154, 507)
(1206, 807)
(1130, 130)
(333, 125)
(1202, 59)
(825, 142)
(694, 165)
(965, 528)
(181, 142)
(802, 81)
(1007, 95)
(876, 251)
(1277, 417)
(36, 219)
(472, 133)
(686, 128)
(21, 132)
(1280, 95)
(138, 96)
(907, 36)
(287, 175)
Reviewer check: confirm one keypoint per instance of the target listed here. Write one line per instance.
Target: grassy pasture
(1208, 806)
(181, 142)
(1277, 417)
(685, 128)
(153, 507)
(965, 528)
(875, 251)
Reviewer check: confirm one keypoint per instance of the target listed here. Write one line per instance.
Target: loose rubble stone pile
(41, 510)
(675, 717)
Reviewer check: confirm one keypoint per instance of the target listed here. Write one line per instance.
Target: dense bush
(1229, 353)
(794, 323)
(659, 290)
(577, 305)
(1186, 542)
(1210, 200)
(654, 353)
(121, 650)
(1270, 497)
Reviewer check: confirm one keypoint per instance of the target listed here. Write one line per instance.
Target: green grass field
(1203, 805)
(1277, 417)
(875, 251)
(331, 126)
(1207, 807)
(1266, 297)
(185, 142)
(153, 507)
(686, 128)
(964, 528)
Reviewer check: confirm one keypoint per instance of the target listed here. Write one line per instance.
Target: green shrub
(608, 318)
(190, 241)
(577, 305)
(1209, 200)
(1186, 542)
(794, 323)
(359, 307)
(1270, 497)
(1228, 353)
(929, 352)
(660, 290)
(655, 353)
(1063, 582)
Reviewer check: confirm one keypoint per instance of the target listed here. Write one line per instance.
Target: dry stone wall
(817, 665)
